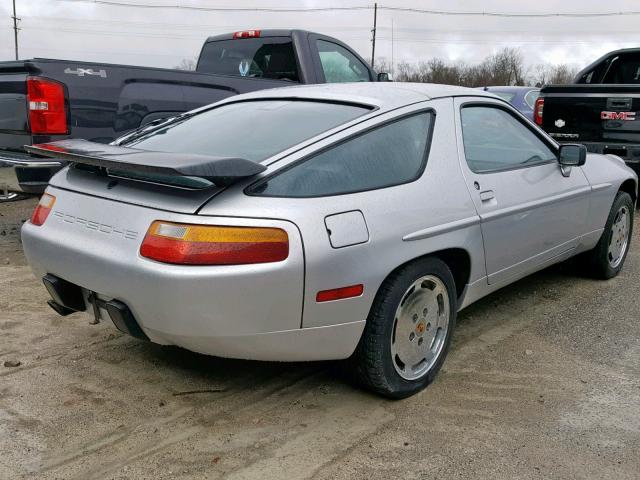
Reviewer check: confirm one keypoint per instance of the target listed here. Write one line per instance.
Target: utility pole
(373, 40)
(15, 27)
(392, 62)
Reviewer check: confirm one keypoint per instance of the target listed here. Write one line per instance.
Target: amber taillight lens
(43, 209)
(188, 244)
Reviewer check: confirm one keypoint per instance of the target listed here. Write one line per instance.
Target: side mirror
(384, 77)
(572, 155)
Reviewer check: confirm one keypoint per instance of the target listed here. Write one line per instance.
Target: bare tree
(505, 67)
(187, 64)
(546, 74)
(383, 65)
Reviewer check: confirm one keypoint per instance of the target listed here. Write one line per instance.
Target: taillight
(47, 113)
(339, 293)
(247, 34)
(188, 244)
(537, 111)
(43, 209)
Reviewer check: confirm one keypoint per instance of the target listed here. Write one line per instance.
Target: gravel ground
(543, 381)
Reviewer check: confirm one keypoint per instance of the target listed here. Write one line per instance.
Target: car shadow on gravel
(210, 374)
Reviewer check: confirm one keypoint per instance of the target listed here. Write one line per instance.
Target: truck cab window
(340, 65)
(268, 57)
(624, 69)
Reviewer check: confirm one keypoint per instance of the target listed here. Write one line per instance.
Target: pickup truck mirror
(572, 155)
(384, 77)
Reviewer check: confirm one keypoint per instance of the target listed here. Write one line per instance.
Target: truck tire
(607, 257)
(408, 331)
(6, 197)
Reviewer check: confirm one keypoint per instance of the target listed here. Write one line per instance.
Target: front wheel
(608, 256)
(409, 329)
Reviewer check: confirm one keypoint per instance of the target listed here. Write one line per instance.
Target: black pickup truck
(600, 109)
(43, 100)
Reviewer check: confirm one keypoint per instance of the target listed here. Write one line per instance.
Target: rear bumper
(22, 173)
(630, 153)
(237, 311)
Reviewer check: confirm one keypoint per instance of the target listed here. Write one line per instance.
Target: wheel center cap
(420, 328)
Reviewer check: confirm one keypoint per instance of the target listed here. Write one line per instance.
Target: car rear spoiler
(222, 171)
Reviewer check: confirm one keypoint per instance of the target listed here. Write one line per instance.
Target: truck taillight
(188, 244)
(247, 34)
(47, 112)
(43, 209)
(537, 111)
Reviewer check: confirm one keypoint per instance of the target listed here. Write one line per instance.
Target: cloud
(162, 37)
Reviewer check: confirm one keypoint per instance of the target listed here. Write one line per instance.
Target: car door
(532, 213)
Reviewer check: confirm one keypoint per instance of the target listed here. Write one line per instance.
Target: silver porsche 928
(322, 222)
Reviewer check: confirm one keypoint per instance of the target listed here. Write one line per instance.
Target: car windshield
(253, 130)
(270, 57)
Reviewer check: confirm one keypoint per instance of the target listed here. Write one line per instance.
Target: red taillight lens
(43, 209)
(187, 244)
(340, 293)
(47, 113)
(538, 110)
(247, 34)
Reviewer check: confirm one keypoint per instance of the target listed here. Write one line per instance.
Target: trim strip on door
(578, 192)
(440, 229)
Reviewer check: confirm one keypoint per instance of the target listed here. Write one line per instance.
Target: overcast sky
(163, 36)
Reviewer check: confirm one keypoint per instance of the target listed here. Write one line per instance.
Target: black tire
(598, 263)
(372, 362)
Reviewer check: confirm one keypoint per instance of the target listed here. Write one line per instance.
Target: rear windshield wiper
(151, 126)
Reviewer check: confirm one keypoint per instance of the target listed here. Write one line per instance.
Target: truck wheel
(607, 258)
(10, 196)
(408, 331)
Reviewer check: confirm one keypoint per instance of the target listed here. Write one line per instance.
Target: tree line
(505, 67)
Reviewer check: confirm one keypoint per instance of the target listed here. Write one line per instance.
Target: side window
(588, 77)
(624, 69)
(531, 97)
(389, 155)
(495, 140)
(340, 65)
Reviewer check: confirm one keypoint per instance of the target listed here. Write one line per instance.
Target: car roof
(508, 88)
(382, 95)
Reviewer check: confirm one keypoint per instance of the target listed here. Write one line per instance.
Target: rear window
(624, 69)
(254, 130)
(270, 57)
(531, 97)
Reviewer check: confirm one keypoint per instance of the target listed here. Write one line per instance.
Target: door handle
(487, 195)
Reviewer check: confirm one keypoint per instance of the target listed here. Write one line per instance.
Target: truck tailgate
(593, 113)
(13, 103)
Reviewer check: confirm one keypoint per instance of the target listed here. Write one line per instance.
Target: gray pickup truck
(43, 100)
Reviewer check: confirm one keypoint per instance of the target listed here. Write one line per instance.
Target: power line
(216, 9)
(226, 27)
(364, 7)
(419, 40)
(512, 14)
